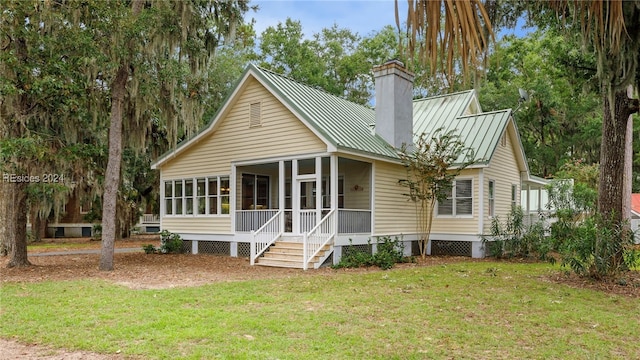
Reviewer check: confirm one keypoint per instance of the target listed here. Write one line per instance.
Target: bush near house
(170, 243)
(390, 252)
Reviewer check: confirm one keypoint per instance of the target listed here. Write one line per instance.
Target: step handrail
(266, 235)
(321, 234)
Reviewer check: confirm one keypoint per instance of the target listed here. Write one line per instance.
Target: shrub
(170, 243)
(390, 252)
(149, 249)
(600, 248)
(515, 239)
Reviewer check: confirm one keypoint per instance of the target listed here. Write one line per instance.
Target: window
(492, 198)
(514, 195)
(168, 197)
(459, 200)
(200, 196)
(177, 197)
(188, 196)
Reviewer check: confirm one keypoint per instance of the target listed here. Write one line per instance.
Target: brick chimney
(394, 103)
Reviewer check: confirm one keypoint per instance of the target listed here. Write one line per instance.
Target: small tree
(432, 165)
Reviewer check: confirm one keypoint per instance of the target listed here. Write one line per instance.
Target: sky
(360, 16)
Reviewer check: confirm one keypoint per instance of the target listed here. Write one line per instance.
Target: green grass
(475, 310)
(61, 247)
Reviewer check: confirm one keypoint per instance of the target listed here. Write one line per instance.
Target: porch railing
(321, 235)
(266, 235)
(149, 219)
(250, 220)
(354, 221)
(307, 220)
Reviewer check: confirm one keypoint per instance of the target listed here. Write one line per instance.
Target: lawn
(474, 310)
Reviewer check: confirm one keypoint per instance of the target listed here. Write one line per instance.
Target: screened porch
(306, 190)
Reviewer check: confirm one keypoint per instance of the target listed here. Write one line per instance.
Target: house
(73, 221)
(635, 216)
(284, 165)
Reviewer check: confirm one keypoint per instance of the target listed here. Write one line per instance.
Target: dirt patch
(12, 350)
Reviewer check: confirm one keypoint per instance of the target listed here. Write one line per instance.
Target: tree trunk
(16, 226)
(611, 191)
(112, 175)
(5, 218)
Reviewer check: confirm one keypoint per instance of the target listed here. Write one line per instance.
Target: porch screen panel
(224, 194)
(255, 192)
(326, 193)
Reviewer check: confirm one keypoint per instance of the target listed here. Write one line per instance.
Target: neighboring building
(285, 161)
(635, 216)
(72, 223)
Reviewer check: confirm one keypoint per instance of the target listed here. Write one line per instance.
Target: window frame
(491, 196)
(454, 200)
(196, 196)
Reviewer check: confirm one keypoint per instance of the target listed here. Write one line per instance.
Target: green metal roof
(348, 126)
(345, 124)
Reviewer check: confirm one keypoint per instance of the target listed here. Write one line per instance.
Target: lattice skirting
(244, 249)
(362, 248)
(448, 247)
(186, 246)
(214, 247)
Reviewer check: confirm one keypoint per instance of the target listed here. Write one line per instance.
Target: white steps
(288, 254)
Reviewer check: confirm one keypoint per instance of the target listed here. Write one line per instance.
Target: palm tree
(443, 32)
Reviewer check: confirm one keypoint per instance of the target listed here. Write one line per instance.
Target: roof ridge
(485, 113)
(443, 95)
(318, 88)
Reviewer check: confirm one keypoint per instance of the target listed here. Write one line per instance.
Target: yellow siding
(461, 224)
(280, 134)
(198, 225)
(504, 170)
(394, 214)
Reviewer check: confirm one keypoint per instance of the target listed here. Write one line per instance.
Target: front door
(308, 214)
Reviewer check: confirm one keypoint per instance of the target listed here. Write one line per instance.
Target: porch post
(295, 197)
(281, 191)
(318, 189)
(232, 197)
(333, 178)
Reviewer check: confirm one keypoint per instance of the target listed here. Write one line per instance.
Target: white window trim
(455, 215)
(183, 198)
